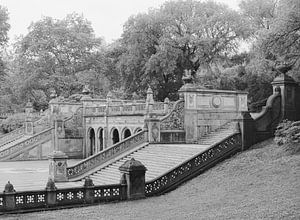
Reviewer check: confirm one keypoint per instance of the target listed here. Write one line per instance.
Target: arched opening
(126, 133)
(115, 136)
(101, 139)
(92, 146)
(137, 130)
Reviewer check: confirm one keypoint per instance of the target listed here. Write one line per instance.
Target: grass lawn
(261, 183)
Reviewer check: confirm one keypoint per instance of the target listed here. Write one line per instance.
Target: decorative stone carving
(175, 120)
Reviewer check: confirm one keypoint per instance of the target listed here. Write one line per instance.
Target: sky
(107, 16)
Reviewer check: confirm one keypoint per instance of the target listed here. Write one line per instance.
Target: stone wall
(207, 110)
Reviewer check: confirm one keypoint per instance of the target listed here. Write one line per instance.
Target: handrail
(194, 166)
(13, 134)
(103, 156)
(24, 144)
(268, 105)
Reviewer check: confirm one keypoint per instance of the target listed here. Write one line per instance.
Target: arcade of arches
(96, 141)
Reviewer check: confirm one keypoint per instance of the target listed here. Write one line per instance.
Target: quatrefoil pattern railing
(63, 197)
(22, 146)
(193, 166)
(101, 157)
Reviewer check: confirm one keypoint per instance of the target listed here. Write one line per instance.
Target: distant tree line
(154, 50)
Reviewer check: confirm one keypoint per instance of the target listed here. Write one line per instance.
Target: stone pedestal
(153, 125)
(58, 166)
(247, 127)
(89, 190)
(288, 89)
(9, 192)
(29, 129)
(51, 192)
(133, 174)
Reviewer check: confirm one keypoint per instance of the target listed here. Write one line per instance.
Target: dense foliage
(288, 133)
(154, 50)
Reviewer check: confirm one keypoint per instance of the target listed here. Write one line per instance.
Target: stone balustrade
(132, 183)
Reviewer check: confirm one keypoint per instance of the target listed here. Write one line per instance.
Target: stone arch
(115, 136)
(137, 130)
(91, 148)
(100, 136)
(126, 133)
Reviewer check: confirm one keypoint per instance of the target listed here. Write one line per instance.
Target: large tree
(161, 44)
(58, 54)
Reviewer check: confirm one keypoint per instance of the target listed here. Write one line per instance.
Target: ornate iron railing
(106, 155)
(194, 166)
(22, 146)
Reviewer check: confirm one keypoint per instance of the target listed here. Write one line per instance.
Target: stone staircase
(13, 142)
(159, 158)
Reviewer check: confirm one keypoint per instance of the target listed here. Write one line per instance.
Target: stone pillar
(28, 108)
(58, 166)
(58, 132)
(50, 193)
(288, 88)
(29, 129)
(134, 175)
(166, 105)
(89, 190)
(149, 101)
(9, 192)
(153, 125)
(247, 128)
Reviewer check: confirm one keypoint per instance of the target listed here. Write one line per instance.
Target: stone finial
(149, 98)
(9, 188)
(28, 104)
(149, 90)
(135, 96)
(86, 90)
(53, 94)
(109, 95)
(132, 165)
(50, 185)
(187, 77)
(88, 182)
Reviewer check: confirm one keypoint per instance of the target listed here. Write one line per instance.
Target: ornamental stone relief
(175, 121)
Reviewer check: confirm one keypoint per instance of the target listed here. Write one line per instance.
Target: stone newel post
(58, 166)
(133, 174)
(247, 127)
(9, 193)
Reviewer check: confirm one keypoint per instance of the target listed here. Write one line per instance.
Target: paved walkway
(26, 175)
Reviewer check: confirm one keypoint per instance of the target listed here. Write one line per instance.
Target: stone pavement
(26, 175)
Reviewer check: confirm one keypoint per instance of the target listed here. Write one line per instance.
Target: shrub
(12, 123)
(288, 134)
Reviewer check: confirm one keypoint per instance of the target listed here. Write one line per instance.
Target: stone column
(247, 128)
(58, 166)
(29, 129)
(149, 101)
(166, 105)
(133, 173)
(58, 132)
(153, 125)
(28, 108)
(9, 192)
(288, 88)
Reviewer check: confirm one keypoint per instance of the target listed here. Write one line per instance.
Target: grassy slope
(261, 183)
